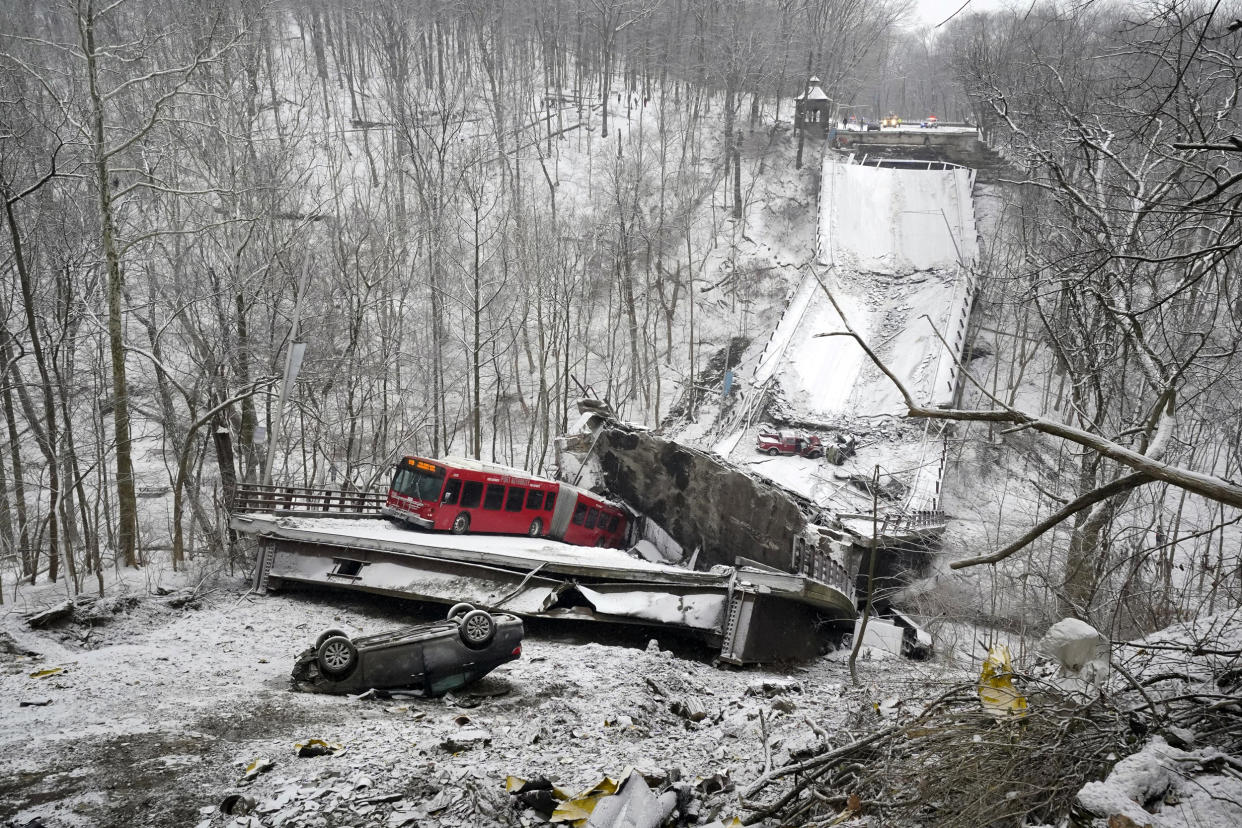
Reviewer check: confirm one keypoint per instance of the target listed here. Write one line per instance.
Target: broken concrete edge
(753, 615)
(544, 592)
(423, 547)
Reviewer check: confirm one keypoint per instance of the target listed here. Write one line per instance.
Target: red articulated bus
(463, 495)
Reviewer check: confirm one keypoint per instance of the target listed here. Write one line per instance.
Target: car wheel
(477, 629)
(536, 528)
(458, 609)
(773, 452)
(326, 634)
(337, 657)
(815, 455)
(461, 523)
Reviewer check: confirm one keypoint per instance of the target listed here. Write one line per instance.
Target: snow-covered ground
(152, 717)
(150, 714)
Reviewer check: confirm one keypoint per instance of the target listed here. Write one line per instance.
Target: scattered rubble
(691, 709)
(10, 647)
(773, 687)
(316, 747)
(635, 799)
(255, 769)
(799, 745)
(465, 739)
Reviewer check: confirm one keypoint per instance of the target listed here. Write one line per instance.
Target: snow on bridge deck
(894, 247)
(537, 577)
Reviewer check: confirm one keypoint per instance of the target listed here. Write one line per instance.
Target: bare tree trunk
(126, 497)
(29, 566)
(737, 174)
(44, 431)
(476, 343)
(249, 417)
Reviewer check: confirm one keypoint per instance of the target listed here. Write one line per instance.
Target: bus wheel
(536, 528)
(599, 542)
(461, 523)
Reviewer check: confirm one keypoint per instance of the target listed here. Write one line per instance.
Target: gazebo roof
(815, 93)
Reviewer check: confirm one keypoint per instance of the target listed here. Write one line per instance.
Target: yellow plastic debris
(575, 812)
(46, 671)
(316, 747)
(255, 768)
(577, 809)
(997, 692)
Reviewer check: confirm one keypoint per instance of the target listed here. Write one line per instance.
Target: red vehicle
(788, 442)
(461, 495)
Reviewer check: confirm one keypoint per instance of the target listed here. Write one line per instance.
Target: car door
(398, 663)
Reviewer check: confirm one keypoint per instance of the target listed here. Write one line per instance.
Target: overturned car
(433, 658)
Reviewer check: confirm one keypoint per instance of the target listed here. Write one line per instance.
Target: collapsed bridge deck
(753, 613)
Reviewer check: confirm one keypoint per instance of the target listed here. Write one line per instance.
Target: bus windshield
(419, 483)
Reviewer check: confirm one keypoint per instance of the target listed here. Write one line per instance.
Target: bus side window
(591, 517)
(471, 495)
(451, 490)
(579, 513)
(549, 501)
(612, 523)
(534, 499)
(517, 496)
(494, 497)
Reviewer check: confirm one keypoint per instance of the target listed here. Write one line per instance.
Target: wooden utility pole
(875, 543)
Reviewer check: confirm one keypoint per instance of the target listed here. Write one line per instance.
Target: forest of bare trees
(1121, 127)
(471, 213)
(474, 213)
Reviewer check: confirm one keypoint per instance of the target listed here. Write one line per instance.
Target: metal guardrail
(898, 523)
(913, 521)
(253, 497)
(819, 564)
(910, 163)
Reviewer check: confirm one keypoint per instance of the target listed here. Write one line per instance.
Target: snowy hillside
(473, 216)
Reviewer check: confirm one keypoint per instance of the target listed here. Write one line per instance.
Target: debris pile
(1038, 760)
(1018, 748)
(635, 799)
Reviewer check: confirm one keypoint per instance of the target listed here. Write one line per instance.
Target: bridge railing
(818, 562)
(300, 500)
(914, 521)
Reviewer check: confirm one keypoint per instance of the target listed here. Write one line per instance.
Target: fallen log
(50, 615)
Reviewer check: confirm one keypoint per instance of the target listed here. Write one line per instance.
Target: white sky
(931, 12)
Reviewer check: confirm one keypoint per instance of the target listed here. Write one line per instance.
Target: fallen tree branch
(1206, 485)
(1121, 484)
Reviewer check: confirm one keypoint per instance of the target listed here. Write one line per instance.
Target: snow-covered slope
(894, 245)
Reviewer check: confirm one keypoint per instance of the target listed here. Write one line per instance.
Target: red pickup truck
(788, 442)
